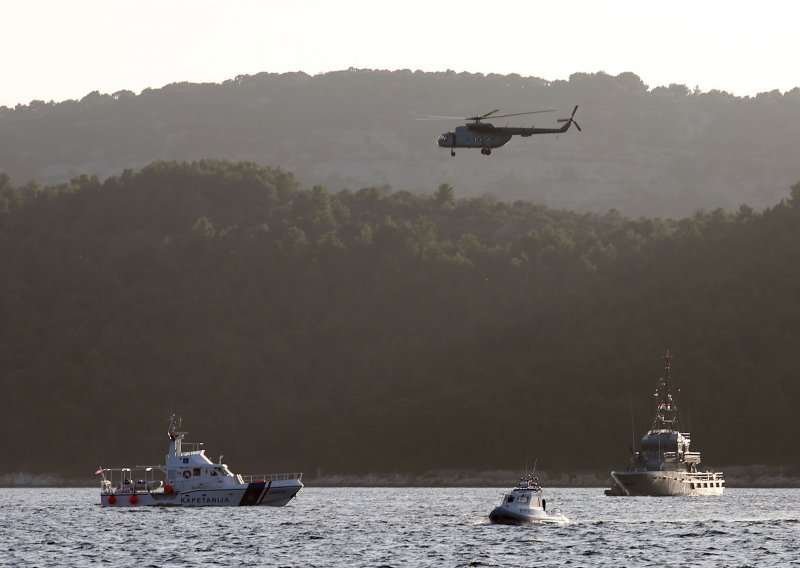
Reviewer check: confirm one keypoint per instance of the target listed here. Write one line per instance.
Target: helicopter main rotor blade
(434, 117)
(521, 113)
(481, 116)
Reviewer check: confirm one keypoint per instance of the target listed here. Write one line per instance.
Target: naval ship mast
(667, 417)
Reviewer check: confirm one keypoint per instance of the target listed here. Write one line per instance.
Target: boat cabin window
(523, 499)
(510, 499)
(196, 471)
(219, 470)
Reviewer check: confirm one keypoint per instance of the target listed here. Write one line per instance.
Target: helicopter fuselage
(481, 135)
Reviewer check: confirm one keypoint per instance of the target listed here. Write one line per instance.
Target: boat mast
(175, 436)
(666, 417)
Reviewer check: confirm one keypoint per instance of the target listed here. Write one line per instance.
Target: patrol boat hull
(274, 493)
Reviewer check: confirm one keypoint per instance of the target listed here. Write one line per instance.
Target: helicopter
(486, 136)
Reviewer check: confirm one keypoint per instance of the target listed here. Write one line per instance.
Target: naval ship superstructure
(663, 464)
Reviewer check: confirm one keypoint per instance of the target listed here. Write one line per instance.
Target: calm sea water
(404, 527)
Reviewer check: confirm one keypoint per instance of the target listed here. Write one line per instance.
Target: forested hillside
(377, 331)
(666, 151)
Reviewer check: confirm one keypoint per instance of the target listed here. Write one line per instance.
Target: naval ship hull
(665, 483)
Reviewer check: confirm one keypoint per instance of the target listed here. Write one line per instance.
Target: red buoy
(134, 499)
(112, 500)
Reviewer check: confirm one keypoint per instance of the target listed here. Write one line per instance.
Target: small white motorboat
(525, 504)
(192, 480)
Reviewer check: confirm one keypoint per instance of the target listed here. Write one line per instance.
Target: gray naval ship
(663, 465)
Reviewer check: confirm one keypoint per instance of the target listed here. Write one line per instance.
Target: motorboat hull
(509, 516)
(665, 483)
(272, 493)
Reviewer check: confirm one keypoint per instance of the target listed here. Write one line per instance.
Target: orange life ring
(134, 499)
(187, 474)
(112, 500)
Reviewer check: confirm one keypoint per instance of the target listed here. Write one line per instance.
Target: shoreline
(736, 477)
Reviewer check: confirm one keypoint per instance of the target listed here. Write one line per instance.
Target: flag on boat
(98, 471)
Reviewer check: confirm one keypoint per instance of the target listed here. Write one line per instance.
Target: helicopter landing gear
(486, 151)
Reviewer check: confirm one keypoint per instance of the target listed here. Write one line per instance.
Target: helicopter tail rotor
(571, 120)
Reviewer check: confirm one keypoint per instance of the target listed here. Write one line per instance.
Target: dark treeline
(380, 331)
(665, 151)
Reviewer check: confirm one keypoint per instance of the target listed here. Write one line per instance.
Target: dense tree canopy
(378, 330)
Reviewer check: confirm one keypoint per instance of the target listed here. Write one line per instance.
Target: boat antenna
(633, 428)
(174, 424)
(688, 414)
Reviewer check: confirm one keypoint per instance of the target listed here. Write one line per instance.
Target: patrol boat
(663, 465)
(192, 480)
(525, 504)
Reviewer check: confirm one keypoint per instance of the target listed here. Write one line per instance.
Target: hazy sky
(64, 49)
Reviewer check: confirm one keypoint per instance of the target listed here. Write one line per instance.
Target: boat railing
(688, 457)
(707, 476)
(191, 447)
(139, 479)
(271, 477)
